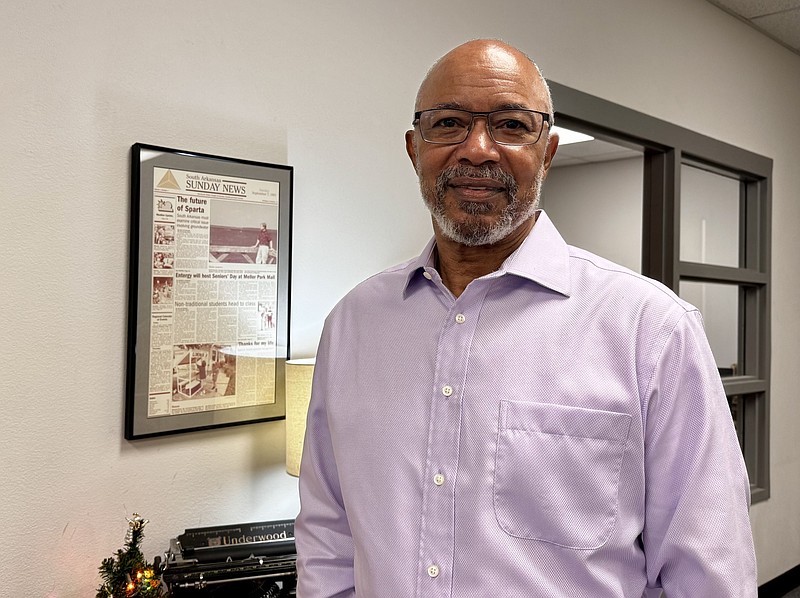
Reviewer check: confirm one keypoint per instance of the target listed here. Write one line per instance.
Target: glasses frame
(546, 118)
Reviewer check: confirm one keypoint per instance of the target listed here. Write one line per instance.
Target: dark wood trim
(658, 244)
(648, 131)
(741, 385)
(781, 585)
(721, 274)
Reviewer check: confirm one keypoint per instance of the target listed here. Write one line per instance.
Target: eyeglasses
(506, 127)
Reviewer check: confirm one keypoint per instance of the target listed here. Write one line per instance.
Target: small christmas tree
(127, 574)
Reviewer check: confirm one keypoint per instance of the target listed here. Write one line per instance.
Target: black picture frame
(209, 280)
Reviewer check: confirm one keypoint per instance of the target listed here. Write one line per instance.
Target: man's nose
(478, 147)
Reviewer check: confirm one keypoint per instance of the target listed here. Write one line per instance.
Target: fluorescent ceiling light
(567, 136)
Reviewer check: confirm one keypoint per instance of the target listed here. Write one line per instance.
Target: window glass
(709, 230)
(719, 304)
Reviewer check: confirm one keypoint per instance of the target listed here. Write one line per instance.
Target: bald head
(476, 57)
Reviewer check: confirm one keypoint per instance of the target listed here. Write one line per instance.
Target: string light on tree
(127, 574)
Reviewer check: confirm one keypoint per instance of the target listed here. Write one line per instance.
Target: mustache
(486, 171)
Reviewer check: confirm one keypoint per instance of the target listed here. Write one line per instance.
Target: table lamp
(299, 373)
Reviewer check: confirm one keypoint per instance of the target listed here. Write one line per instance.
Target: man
(215, 367)
(264, 244)
(202, 373)
(506, 415)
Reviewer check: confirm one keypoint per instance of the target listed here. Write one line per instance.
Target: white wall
(327, 88)
(598, 206)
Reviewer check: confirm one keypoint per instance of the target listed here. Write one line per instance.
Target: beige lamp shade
(299, 373)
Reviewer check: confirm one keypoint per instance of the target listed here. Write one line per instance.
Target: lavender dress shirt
(558, 430)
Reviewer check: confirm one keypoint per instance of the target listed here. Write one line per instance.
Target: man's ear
(412, 154)
(550, 150)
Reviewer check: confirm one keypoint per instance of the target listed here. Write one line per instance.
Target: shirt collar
(542, 258)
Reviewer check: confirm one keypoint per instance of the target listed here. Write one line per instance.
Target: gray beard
(475, 232)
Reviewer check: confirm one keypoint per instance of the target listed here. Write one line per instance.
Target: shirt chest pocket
(557, 471)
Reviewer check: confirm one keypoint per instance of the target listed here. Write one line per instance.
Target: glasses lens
(511, 127)
(515, 127)
(445, 126)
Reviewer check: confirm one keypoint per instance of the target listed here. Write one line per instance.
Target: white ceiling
(596, 150)
(777, 19)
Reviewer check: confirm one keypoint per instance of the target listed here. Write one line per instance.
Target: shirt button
(427, 275)
(438, 479)
(461, 318)
(447, 390)
(433, 571)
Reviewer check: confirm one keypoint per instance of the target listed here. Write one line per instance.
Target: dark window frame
(666, 148)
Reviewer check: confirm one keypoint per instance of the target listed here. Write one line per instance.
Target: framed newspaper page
(208, 312)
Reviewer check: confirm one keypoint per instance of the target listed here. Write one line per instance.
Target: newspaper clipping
(214, 293)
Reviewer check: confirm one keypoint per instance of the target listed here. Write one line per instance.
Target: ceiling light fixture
(567, 136)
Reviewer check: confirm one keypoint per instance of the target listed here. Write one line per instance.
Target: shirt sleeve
(322, 532)
(697, 537)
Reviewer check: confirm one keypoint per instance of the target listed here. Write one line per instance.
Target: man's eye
(448, 123)
(513, 125)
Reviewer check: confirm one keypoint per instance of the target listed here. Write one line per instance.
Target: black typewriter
(247, 560)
